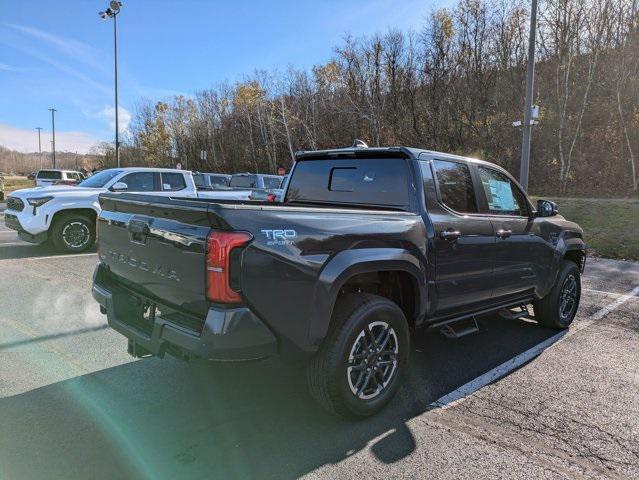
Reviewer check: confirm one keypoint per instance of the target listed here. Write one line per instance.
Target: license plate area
(136, 312)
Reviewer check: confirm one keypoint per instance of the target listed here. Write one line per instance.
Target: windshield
(99, 180)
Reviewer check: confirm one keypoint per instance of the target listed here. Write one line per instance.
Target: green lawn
(611, 225)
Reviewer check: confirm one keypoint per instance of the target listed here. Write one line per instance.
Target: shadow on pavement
(54, 336)
(167, 419)
(31, 250)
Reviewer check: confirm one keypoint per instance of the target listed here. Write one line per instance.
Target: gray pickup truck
(367, 245)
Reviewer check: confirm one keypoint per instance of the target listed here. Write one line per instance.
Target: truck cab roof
(409, 153)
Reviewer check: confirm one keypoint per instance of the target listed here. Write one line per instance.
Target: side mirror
(546, 208)
(119, 187)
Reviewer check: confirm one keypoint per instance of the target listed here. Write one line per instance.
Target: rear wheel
(358, 368)
(73, 233)
(558, 309)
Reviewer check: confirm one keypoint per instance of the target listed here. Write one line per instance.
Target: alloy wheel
(76, 234)
(372, 361)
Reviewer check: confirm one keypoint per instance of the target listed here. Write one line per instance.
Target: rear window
(455, 186)
(50, 175)
(172, 182)
(381, 182)
(272, 182)
(198, 179)
(219, 181)
(243, 181)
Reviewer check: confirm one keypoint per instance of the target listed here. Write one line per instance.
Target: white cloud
(26, 141)
(124, 118)
(10, 68)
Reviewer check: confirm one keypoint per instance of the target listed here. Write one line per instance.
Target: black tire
(332, 382)
(558, 309)
(73, 233)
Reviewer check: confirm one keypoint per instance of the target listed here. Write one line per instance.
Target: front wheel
(359, 366)
(73, 233)
(559, 307)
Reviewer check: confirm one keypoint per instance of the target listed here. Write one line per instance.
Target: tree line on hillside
(456, 86)
(24, 163)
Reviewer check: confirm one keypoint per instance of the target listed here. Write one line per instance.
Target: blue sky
(61, 54)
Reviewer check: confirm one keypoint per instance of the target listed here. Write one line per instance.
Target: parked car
(66, 215)
(211, 181)
(256, 180)
(368, 245)
(49, 177)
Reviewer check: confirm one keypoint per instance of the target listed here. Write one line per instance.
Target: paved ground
(73, 404)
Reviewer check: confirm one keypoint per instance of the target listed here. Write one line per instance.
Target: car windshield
(99, 180)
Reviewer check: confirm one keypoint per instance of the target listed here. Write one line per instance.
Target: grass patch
(611, 225)
(16, 183)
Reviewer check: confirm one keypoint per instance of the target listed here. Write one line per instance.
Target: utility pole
(53, 110)
(530, 78)
(39, 146)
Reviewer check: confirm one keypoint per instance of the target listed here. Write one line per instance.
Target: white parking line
(505, 368)
(60, 256)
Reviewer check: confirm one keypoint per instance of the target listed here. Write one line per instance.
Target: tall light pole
(112, 12)
(530, 78)
(39, 129)
(53, 110)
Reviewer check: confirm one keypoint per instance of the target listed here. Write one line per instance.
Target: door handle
(450, 234)
(504, 233)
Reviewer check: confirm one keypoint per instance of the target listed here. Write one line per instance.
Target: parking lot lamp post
(112, 12)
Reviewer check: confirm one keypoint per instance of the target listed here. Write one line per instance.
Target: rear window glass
(219, 181)
(198, 179)
(244, 181)
(272, 182)
(172, 182)
(356, 181)
(455, 186)
(49, 175)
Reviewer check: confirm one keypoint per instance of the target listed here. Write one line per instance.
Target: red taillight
(218, 264)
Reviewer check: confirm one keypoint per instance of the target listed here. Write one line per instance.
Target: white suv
(44, 178)
(67, 214)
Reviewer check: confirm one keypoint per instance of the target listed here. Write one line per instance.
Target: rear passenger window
(503, 196)
(455, 186)
(172, 182)
(141, 182)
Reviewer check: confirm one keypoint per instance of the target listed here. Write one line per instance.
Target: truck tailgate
(156, 247)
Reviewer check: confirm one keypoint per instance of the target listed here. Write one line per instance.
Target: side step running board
(509, 314)
(450, 332)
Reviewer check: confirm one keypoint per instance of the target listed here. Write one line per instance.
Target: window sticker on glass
(500, 195)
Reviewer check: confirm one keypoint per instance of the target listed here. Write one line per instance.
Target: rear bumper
(227, 334)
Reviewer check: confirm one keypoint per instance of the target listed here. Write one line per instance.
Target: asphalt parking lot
(73, 404)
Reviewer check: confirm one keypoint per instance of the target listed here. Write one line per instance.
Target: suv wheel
(73, 233)
(558, 309)
(358, 368)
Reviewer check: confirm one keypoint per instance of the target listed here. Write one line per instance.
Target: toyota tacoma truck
(366, 245)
